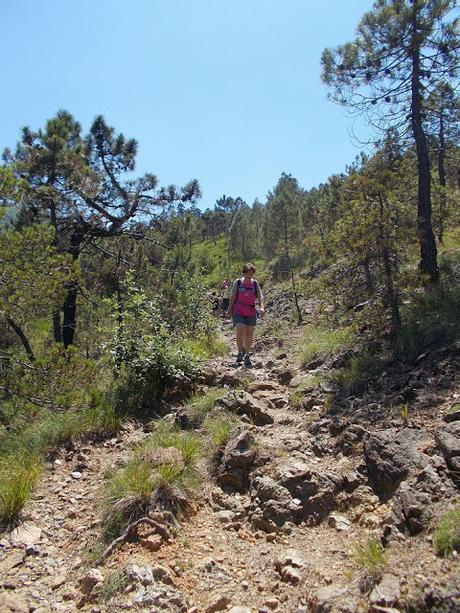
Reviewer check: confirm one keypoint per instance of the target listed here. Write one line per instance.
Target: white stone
(25, 534)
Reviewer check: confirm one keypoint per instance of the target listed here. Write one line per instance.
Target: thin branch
(130, 530)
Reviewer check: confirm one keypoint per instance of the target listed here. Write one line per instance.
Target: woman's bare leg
(248, 337)
(240, 329)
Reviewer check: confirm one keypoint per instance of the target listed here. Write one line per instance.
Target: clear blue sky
(228, 92)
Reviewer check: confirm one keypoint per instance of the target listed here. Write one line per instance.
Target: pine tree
(403, 48)
(83, 187)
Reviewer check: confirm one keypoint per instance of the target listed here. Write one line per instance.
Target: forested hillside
(117, 377)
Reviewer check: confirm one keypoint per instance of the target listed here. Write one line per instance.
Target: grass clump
(358, 371)
(16, 486)
(114, 583)
(199, 406)
(23, 449)
(452, 409)
(322, 342)
(220, 428)
(153, 482)
(370, 557)
(447, 534)
(168, 435)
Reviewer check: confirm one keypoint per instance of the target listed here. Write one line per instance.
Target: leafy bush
(447, 534)
(146, 358)
(205, 346)
(192, 309)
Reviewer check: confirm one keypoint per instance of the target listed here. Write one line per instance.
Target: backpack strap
(256, 286)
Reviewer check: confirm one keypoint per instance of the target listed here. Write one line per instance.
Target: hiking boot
(247, 360)
(239, 357)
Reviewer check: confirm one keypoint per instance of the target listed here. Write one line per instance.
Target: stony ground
(276, 527)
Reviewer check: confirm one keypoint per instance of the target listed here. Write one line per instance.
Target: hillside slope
(303, 508)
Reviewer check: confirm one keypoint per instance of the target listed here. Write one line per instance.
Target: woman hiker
(242, 308)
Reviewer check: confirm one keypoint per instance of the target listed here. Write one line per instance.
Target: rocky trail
(297, 491)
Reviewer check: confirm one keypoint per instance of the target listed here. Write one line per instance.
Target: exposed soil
(229, 555)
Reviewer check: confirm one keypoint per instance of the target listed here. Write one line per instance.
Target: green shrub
(447, 534)
(143, 381)
(146, 358)
(370, 557)
(321, 342)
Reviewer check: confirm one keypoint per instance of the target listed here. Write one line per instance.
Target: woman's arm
(260, 298)
(232, 299)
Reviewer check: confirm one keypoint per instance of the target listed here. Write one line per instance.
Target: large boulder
(273, 505)
(411, 509)
(448, 440)
(316, 491)
(238, 458)
(390, 455)
(293, 492)
(243, 403)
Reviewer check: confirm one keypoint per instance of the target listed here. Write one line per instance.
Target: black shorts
(242, 319)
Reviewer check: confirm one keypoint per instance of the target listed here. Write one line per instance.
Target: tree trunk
(57, 331)
(119, 318)
(70, 316)
(442, 178)
(296, 299)
(368, 276)
(391, 293)
(24, 340)
(69, 309)
(428, 252)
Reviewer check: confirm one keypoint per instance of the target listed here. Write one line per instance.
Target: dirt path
(227, 556)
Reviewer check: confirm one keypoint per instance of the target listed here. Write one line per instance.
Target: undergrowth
(321, 342)
(430, 317)
(199, 406)
(24, 448)
(163, 484)
(447, 534)
(370, 557)
(357, 372)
